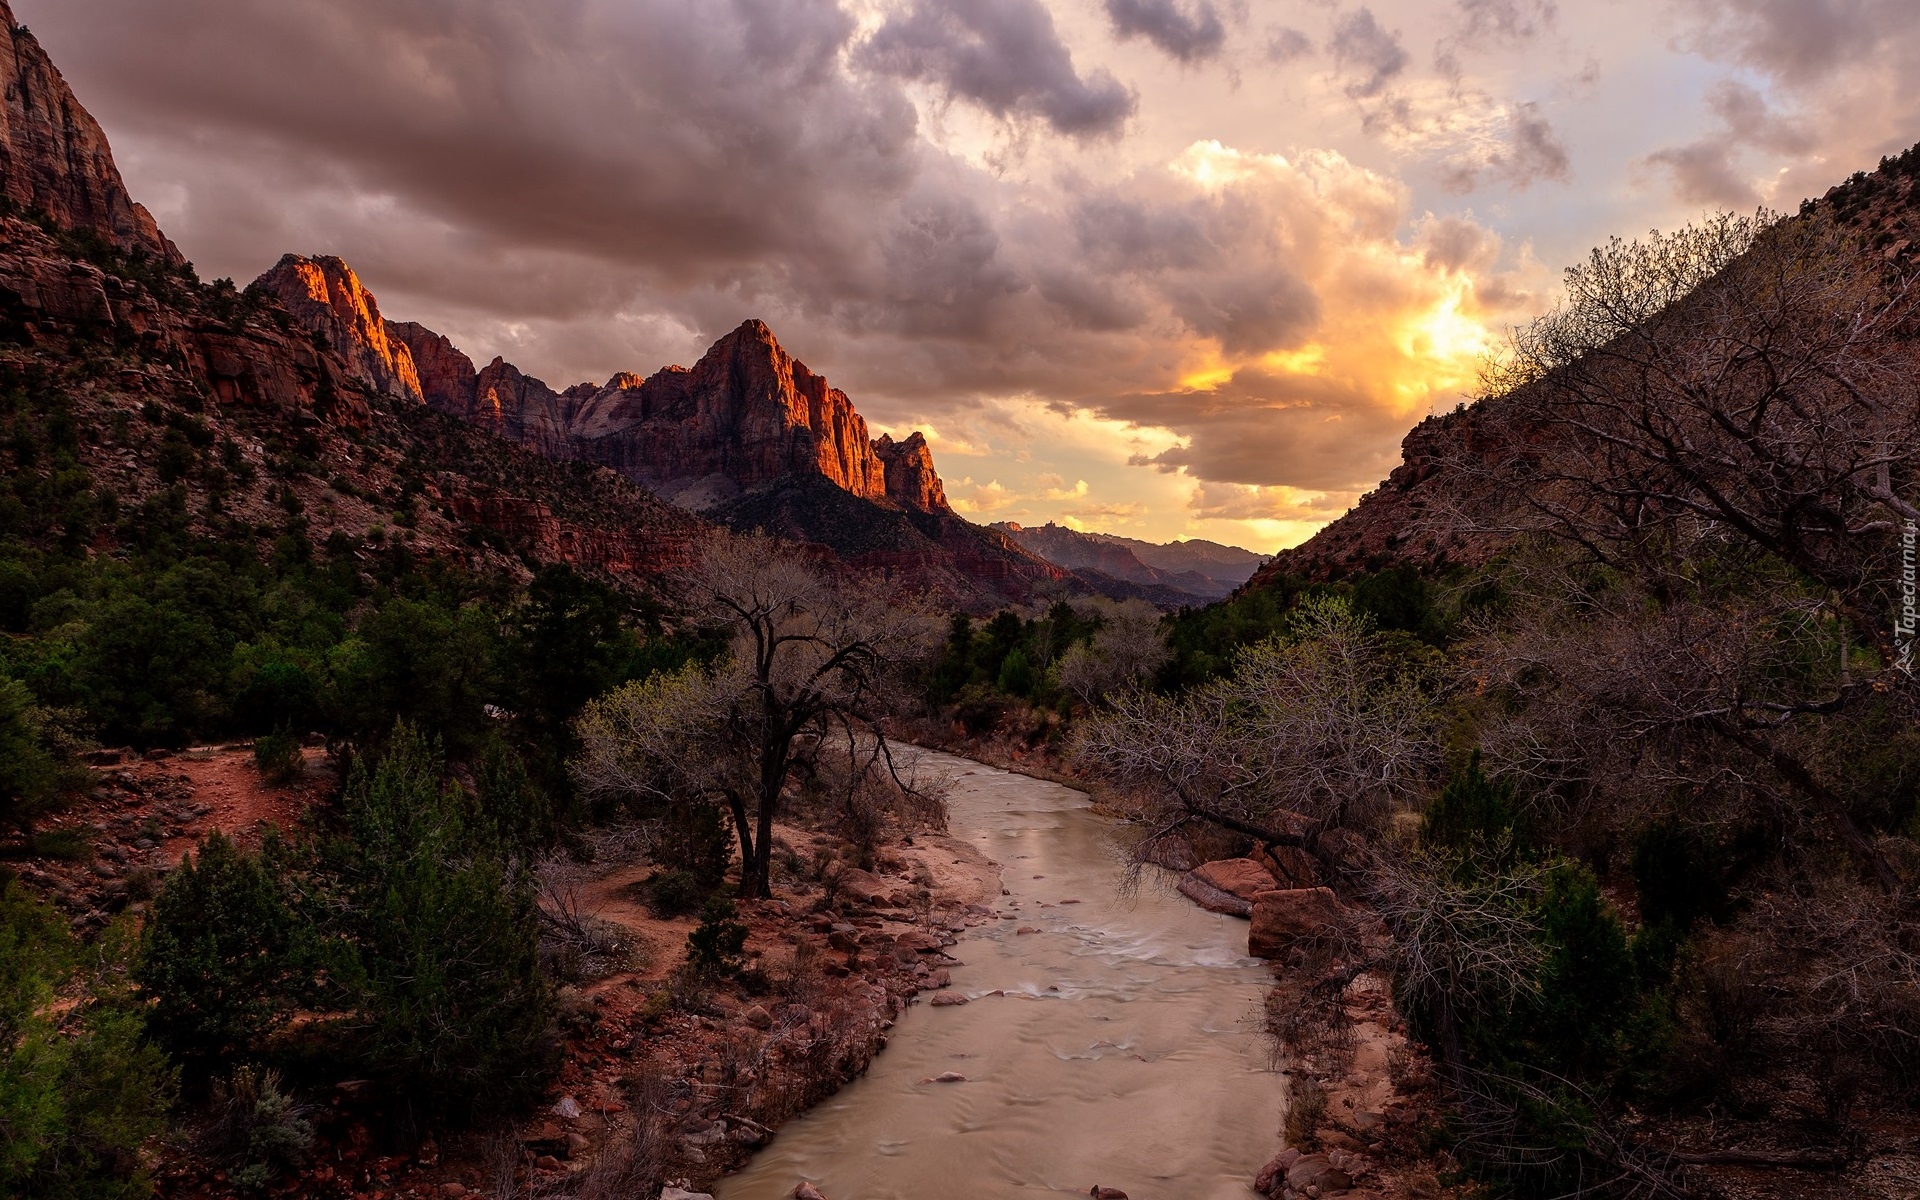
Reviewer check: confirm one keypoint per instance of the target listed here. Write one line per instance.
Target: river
(1119, 1045)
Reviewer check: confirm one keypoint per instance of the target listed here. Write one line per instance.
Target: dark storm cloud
(1189, 37)
(1003, 55)
(1504, 21)
(541, 124)
(1271, 429)
(592, 185)
(1372, 55)
(1284, 44)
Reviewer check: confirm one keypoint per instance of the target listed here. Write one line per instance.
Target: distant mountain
(1193, 570)
(748, 437)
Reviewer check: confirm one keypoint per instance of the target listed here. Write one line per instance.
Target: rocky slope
(54, 159)
(228, 409)
(1441, 508)
(748, 436)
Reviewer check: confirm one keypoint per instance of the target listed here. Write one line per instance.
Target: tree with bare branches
(1329, 727)
(814, 664)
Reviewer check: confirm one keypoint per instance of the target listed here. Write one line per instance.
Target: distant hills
(1170, 573)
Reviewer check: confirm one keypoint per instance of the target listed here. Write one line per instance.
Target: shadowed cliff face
(54, 158)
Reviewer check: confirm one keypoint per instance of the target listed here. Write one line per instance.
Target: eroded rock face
(911, 480)
(54, 158)
(327, 297)
(446, 375)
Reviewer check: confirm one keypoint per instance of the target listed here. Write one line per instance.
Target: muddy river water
(1119, 1045)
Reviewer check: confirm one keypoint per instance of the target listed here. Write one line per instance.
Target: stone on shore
(1295, 918)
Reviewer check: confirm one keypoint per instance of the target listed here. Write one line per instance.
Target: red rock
(864, 887)
(1106, 1193)
(908, 470)
(1285, 920)
(1313, 1170)
(806, 1191)
(918, 941)
(1290, 866)
(947, 1000)
(1212, 898)
(326, 296)
(1241, 878)
(1274, 1173)
(54, 157)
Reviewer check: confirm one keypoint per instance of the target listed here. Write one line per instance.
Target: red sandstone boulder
(1290, 866)
(1227, 885)
(1313, 1170)
(1286, 920)
(1242, 877)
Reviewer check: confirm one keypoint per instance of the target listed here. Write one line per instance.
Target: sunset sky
(1167, 268)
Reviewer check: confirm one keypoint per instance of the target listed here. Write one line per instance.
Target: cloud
(1506, 22)
(1284, 44)
(1798, 41)
(1003, 55)
(1372, 55)
(1708, 170)
(610, 184)
(1530, 152)
(1188, 37)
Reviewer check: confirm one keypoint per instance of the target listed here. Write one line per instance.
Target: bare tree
(1747, 376)
(1733, 401)
(1129, 646)
(814, 665)
(1328, 728)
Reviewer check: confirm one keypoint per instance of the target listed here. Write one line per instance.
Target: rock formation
(326, 296)
(748, 436)
(447, 378)
(911, 480)
(54, 159)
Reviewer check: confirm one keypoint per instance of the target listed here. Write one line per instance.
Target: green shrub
(696, 839)
(675, 893)
(81, 1091)
(263, 1131)
(278, 757)
(220, 956)
(68, 845)
(714, 947)
(30, 775)
(441, 937)
(1471, 808)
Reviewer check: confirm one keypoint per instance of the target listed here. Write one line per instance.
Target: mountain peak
(327, 296)
(54, 157)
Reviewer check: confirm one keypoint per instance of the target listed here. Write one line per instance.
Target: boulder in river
(807, 1191)
(1212, 898)
(1293, 918)
(1227, 885)
(1106, 1193)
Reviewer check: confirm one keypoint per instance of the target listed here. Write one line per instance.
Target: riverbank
(657, 1077)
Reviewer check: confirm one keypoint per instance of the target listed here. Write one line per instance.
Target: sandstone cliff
(54, 159)
(911, 480)
(328, 299)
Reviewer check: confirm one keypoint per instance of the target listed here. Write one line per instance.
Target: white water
(1125, 1050)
